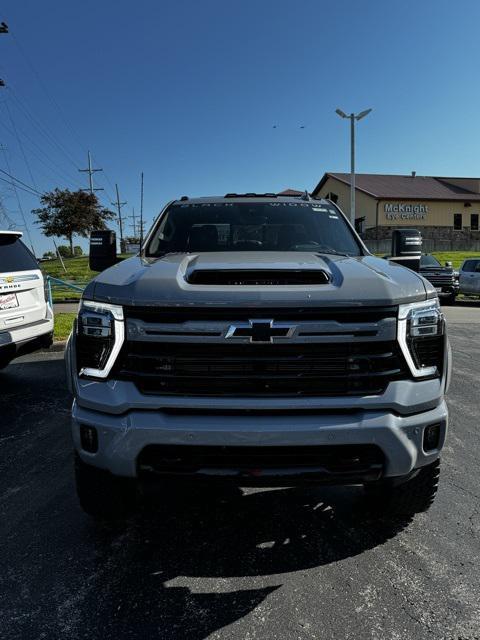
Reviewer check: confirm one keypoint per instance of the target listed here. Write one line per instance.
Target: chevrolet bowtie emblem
(263, 331)
(8, 279)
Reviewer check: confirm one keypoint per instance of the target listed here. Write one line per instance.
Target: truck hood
(352, 281)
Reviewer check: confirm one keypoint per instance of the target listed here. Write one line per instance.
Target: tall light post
(352, 117)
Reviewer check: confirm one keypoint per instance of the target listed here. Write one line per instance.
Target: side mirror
(103, 250)
(448, 264)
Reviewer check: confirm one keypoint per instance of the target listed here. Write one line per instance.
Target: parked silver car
(470, 277)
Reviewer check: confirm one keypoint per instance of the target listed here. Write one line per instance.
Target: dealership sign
(402, 211)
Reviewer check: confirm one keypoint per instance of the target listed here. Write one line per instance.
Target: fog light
(431, 437)
(89, 438)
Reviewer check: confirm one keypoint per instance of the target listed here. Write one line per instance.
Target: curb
(58, 345)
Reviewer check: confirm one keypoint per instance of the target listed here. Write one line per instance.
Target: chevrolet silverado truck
(254, 340)
(444, 278)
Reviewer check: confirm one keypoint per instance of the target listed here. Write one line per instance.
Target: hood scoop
(263, 277)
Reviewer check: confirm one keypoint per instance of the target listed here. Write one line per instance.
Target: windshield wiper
(334, 252)
(168, 253)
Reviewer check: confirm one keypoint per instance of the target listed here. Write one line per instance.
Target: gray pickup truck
(256, 341)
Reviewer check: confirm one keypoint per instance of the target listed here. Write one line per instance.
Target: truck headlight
(100, 335)
(421, 334)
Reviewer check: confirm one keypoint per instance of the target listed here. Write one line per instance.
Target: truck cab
(26, 318)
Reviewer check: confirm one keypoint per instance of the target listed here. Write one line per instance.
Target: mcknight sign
(401, 211)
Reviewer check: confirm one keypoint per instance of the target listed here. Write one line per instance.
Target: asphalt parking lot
(279, 564)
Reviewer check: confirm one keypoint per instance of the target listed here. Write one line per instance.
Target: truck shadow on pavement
(184, 566)
(180, 563)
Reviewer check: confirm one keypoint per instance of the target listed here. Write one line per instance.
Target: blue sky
(188, 92)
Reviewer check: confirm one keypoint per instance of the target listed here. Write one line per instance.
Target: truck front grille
(440, 280)
(302, 369)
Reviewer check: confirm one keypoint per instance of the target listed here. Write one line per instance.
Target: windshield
(252, 226)
(429, 261)
(14, 255)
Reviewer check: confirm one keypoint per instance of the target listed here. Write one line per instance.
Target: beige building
(445, 209)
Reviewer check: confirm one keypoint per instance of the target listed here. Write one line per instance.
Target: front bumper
(122, 438)
(448, 289)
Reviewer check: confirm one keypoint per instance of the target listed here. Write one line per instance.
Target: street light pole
(352, 117)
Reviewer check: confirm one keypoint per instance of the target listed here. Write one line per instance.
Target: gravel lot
(286, 563)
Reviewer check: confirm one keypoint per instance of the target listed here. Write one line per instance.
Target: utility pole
(141, 213)
(90, 172)
(134, 225)
(119, 206)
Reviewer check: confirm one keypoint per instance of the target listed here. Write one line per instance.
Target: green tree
(77, 251)
(49, 255)
(65, 251)
(66, 213)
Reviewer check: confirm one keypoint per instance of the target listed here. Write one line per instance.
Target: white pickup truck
(26, 318)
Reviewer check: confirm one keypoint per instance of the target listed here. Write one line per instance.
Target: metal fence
(63, 290)
(430, 245)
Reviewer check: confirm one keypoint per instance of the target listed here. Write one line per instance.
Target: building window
(474, 221)
(332, 196)
(457, 221)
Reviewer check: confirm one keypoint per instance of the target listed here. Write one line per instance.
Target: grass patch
(63, 325)
(455, 257)
(77, 272)
(77, 269)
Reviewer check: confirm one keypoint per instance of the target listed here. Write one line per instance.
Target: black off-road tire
(102, 495)
(388, 498)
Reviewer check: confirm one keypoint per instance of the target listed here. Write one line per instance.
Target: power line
(31, 193)
(32, 189)
(53, 166)
(67, 123)
(41, 128)
(19, 142)
(22, 213)
(4, 216)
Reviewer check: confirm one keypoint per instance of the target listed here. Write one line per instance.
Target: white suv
(26, 318)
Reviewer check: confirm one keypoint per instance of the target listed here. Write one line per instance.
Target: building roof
(290, 192)
(409, 187)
